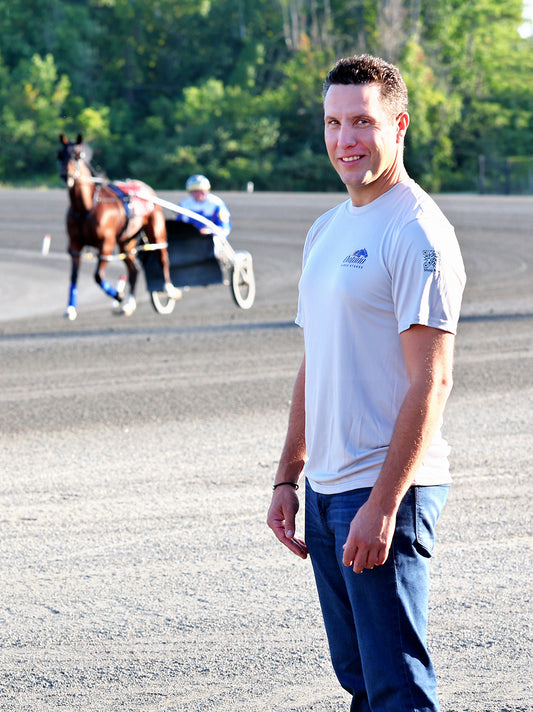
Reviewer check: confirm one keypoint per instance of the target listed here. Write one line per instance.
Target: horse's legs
(132, 273)
(99, 276)
(156, 232)
(71, 311)
(130, 304)
(165, 264)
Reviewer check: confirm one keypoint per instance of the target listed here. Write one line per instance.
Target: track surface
(137, 453)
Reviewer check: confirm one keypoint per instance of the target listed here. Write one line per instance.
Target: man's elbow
(442, 387)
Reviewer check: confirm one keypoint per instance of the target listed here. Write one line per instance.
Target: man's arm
(285, 504)
(222, 218)
(428, 355)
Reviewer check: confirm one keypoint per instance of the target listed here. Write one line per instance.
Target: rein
(72, 178)
(76, 177)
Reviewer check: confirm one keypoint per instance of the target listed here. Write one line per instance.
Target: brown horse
(106, 215)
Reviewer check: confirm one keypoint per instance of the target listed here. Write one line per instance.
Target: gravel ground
(137, 570)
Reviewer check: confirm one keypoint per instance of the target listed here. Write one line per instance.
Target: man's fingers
(284, 531)
(297, 546)
(290, 526)
(361, 562)
(358, 561)
(361, 558)
(348, 555)
(382, 555)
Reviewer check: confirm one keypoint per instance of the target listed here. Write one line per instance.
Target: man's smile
(349, 159)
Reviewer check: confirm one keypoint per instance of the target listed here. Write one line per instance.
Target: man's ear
(403, 123)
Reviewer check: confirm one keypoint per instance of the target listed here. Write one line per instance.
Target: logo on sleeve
(431, 260)
(356, 259)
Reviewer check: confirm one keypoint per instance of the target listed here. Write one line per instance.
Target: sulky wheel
(243, 280)
(162, 303)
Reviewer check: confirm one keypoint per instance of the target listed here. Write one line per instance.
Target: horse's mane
(96, 171)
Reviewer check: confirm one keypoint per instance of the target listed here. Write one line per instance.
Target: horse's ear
(63, 139)
(79, 139)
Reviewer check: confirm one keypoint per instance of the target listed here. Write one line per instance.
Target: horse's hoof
(129, 306)
(70, 313)
(116, 307)
(172, 291)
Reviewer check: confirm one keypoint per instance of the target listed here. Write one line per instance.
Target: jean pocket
(429, 502)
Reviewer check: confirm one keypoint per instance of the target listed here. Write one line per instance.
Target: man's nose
(347, 135)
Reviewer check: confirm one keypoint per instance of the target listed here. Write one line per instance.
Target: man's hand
(369, 538)
(282, 517)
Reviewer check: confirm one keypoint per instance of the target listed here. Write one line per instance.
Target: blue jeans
(376, 621)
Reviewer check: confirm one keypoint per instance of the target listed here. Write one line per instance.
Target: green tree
(31, 116)
(301, 161)
(434, 110)
(233, 86)
(476, 52)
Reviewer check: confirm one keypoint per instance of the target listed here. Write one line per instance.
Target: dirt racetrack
(137, 570)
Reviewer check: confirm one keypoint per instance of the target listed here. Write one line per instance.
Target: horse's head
(71, 156)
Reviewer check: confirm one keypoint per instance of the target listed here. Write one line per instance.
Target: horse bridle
(74, 153)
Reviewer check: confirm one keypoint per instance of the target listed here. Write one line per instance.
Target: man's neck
(364, 194)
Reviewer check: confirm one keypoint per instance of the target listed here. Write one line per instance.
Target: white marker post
(45, 249)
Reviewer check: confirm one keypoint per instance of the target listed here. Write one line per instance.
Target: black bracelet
(292, 484)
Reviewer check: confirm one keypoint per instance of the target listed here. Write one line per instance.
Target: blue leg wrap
(73, 296)
(109, 289)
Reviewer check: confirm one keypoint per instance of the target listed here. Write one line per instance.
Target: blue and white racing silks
(213, 208)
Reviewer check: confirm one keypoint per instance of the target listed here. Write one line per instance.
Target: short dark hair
(366, 69)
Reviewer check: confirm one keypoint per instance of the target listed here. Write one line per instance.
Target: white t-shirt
(369, 273)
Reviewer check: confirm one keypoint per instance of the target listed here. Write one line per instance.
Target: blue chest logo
(356, 259)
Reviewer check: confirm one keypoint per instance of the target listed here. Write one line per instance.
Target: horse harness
(119, 194)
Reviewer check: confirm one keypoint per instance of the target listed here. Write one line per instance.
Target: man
(379, 301)
(201, 201)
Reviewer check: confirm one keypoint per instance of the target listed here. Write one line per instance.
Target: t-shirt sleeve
(427, 276)
(309, 242)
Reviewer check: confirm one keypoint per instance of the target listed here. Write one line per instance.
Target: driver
(201, 201)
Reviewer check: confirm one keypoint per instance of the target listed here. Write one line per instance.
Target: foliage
(433, 112)
(232, 88)
(31, 104)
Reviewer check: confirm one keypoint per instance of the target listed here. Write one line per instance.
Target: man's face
(199, 195)
(364, 143)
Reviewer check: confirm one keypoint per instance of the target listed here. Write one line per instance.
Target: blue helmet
(197, 182)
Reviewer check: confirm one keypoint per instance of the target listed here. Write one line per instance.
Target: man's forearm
(285, 504)
(428, 357)
(415, 426)
(293, 456)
